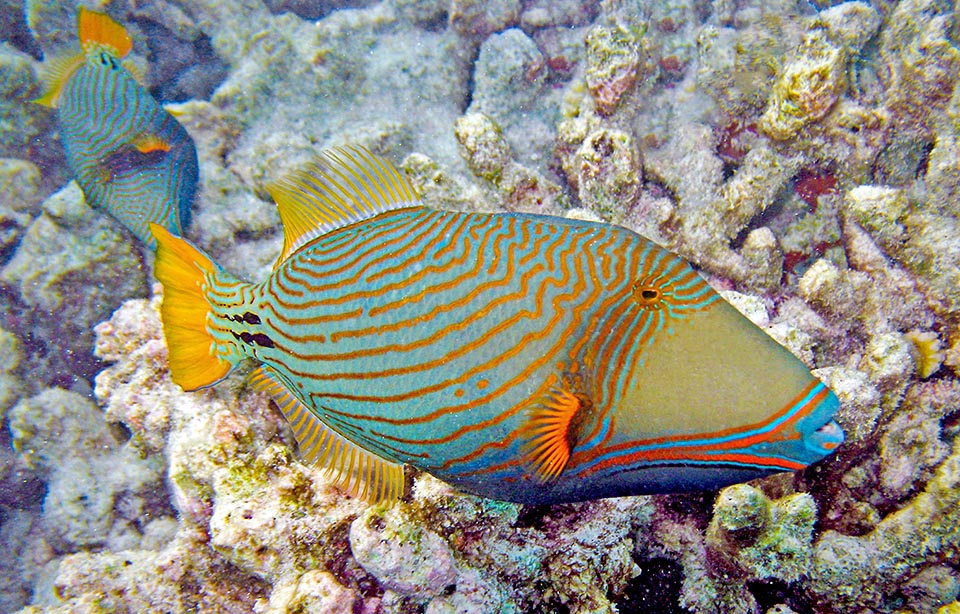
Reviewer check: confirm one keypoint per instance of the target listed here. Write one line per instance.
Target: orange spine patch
(552, 430)
(147, 143)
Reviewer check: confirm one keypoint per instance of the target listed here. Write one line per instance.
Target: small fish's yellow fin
(56, 72)
(135, 69)
(176, 109)
(552, 430)
(183, 270)
(341, 186)
(147, 143)
(99, 30)
(359, 472)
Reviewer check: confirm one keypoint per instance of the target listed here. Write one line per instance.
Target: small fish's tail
(99, 30)
(185, 272)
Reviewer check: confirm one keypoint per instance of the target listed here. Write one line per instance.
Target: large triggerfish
(520, 357)
(130, 157)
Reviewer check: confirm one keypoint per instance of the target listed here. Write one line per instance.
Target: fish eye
(647, 294)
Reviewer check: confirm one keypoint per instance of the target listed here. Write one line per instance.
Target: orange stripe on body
(549, 356)
(475, 316)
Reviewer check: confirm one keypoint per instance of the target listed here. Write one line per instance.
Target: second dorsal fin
(341, 186)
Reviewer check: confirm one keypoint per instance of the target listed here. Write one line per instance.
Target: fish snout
(825, 439)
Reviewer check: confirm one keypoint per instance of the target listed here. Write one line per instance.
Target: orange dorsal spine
(98, 29)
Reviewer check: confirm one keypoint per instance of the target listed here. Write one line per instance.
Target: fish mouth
(825, 439)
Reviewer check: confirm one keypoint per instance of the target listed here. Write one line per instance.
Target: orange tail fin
(99, 29)
(183, 270)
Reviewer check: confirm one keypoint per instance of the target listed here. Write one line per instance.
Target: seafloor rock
(807, 88)
(510, 87)
(56, 424)
(557, 13)
(753, 538)
(11, 376)
(851, 571)
(78, 266)
(19, 201)
(407, 557)
(609, 173)
(98, 491)
(921, 63)
(489, 157)
(20, 123)
(850, 24)
(739, 54)
(476, 20)
(615, 62)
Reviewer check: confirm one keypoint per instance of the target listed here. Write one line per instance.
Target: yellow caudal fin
(184, 270)
(97, 30)
(358, 471)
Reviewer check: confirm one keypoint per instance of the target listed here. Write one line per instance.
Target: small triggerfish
(130, 157)
(525, 358)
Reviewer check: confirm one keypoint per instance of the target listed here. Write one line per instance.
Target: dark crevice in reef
(180, 69)
(655, 589)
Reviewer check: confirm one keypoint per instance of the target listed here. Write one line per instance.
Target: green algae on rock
(807, 88)
(751, 537)
(616, 60)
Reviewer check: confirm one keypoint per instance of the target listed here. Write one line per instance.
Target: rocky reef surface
(804, 155)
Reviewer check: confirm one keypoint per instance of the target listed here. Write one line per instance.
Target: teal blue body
(105, 117)
(527, 358)
(429, 337)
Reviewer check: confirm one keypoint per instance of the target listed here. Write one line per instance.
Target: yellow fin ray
(358, 471)
(56, 72)
(182, 269)
(135, 69)
(552, 430)
(341, 186)
(99, 30)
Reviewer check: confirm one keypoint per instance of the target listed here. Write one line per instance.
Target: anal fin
(356, 470)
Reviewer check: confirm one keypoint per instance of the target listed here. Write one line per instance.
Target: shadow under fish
(527, 358)
(130, 157)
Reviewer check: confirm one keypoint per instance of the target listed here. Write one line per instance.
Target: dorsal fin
(56, 72)
(341, 186)
(358, 471)
(135, 69)
(99, 30)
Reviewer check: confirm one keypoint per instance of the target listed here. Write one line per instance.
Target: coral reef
(803, 155)
(78, 266)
